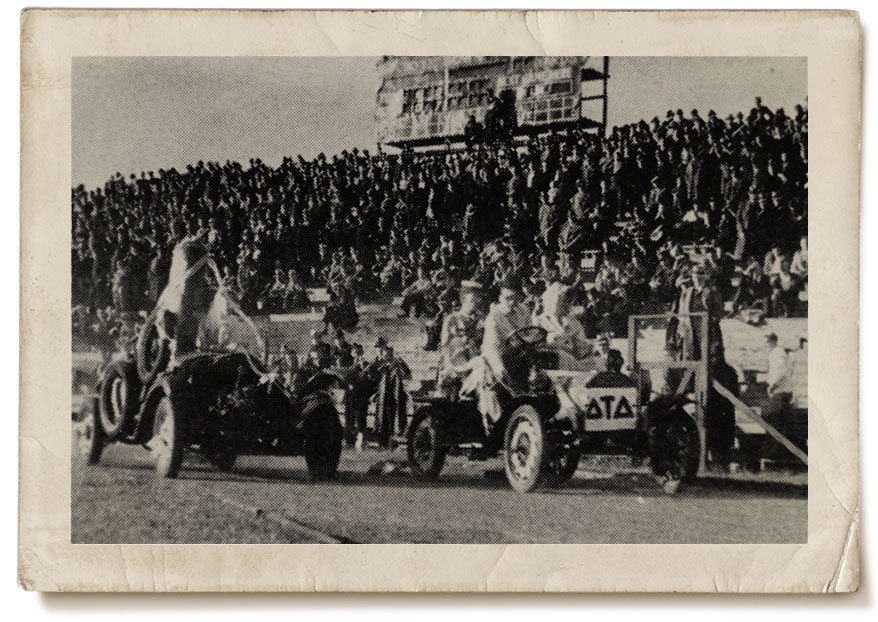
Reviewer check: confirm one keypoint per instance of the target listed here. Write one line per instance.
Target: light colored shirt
(799, 266)
(459, 342)
(571, 338)
(779, 372)
(499, 327)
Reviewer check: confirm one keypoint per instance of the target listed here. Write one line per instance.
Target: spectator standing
(780, 389)
(391, 399)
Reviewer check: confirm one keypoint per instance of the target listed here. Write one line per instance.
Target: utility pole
(606, 79)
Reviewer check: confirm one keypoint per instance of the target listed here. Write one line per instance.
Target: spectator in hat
(391, 396)
(342, 354)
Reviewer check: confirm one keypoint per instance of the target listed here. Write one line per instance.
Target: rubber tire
(91, 439)
(169, 461)
(527, 477)
(322, 442)
(150, 367)
(684, 432)
(428, 467)
(116, 424)
(558, 476)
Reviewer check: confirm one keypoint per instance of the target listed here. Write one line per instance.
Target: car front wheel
(525, 455)
(167, 440)
(90, 437)
(426, 450)
(322, 443)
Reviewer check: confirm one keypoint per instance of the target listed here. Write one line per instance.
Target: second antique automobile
(198, 380)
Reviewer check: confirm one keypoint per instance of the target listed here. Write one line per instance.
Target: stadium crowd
(621, 219)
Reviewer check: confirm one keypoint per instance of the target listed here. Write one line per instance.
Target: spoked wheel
(152, 352)
(426, 448)
(674, 451)
(323, 438)
(167, 440)
(525, 456)
(90, 438)
(117, 399)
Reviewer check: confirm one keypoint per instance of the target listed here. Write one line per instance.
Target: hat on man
(473, 287)
(381, 343)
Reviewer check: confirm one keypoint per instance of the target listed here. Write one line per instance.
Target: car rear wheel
(426, 450)
(674, 448)
(525, 455)
(167, 440)
(118, 399)
(152, 351)
(323, 438)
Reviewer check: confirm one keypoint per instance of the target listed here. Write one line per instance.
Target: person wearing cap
(342, 355)
(605, 355)
(391, 396)
(696, 295)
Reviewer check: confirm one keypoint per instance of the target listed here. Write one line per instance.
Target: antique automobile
(551, 417)
(215, 396)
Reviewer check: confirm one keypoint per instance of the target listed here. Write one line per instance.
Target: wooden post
(606, 78)
(702, 385)
(632, 340)
(770, 429)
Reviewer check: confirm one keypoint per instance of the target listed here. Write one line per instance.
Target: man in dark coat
(720, 412)
(391, 399)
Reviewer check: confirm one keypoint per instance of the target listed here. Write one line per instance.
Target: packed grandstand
(618, 218)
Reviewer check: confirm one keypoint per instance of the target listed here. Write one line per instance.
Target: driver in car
(506, 317)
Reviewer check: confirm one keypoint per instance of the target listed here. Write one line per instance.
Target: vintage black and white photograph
(439, 299)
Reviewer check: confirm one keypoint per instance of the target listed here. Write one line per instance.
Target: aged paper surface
(828, 562)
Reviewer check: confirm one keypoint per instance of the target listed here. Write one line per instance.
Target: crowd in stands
(618, 217)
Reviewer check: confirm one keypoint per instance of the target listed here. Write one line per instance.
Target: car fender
(324, 381)
(162, 386)
(313, 402)
(546, 405)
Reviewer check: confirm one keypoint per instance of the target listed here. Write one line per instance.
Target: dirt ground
(271, 500)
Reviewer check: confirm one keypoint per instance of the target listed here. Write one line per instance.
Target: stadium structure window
(431, 98)
(408, 100)
(559, 87)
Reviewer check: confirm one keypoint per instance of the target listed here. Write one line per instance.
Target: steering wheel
(520, 351)
(528, 336)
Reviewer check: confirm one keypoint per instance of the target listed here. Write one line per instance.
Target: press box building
(427, 100)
